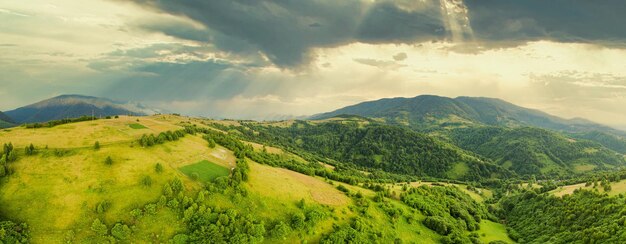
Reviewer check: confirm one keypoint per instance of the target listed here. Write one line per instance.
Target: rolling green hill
(534, 151)
(201, 184)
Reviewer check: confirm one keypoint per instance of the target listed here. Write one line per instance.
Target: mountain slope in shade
(427, 111)
(5, 121)
(72, 106)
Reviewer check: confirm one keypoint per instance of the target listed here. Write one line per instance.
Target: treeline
(151, 140)
(54, 123)
(11, 232)
(583, 217)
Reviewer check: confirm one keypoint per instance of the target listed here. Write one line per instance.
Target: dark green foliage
(99, 228)
(146, 181)
(30, 150)
(449, 211)
(280, 230)
(120, 231)
(227, 226)
(583, 217)
(529, 150)
(389, 148)
(103, 206)
(356, 232)
(158, 168)
(11, 232)
(177, 185)
(96, 146)
(108, 161)
(151, 140)
(613, 142)
(211, 143)
(54, 123)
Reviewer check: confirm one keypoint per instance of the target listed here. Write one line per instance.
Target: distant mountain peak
(74, 105)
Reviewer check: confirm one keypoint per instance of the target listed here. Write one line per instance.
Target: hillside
(374, 146)
(73, 106)
(174, 179)
(5, 121)
(534, 151)
(433, 112)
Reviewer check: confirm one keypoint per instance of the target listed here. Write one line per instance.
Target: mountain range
(525, 141)
(427, 112)
(72, 106)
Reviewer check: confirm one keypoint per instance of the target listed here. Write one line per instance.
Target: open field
(491, 231)
(204, 171)
(287, 185)
(84, 134)
(616, 188)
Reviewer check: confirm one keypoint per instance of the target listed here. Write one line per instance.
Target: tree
(146, 180)
(108, 160)
(158, 168)
(120, 231)
(96, 145)
(99, 227)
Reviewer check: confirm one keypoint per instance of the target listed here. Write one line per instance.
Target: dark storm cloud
(516, 21)
(286, 30)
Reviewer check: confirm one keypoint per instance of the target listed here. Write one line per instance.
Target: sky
(274, 59)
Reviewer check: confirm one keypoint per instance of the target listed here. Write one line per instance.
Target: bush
(120, 231)
(158, 168)
(108, 161)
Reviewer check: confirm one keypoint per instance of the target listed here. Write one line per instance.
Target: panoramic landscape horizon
(318, 121)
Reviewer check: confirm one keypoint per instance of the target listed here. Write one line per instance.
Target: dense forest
(389, 148)
(583, 217)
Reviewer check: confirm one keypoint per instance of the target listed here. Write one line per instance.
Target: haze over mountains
(72, 106)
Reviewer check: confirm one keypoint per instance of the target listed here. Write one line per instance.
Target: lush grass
(84, 134)
(204, 171)
(491, 231)
(137, 126)
(55, 194)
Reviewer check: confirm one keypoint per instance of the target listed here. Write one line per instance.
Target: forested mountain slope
(534, 151)
(389, 148)
(427, 112)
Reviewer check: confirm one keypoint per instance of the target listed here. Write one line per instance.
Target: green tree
(120, 231)
(108, 161)
(96, 145)
(158, 168)
(99, 228)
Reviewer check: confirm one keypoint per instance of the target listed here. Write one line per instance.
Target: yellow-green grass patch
(584, 167)
(492, 231)
(84, 134)
(204, 171)
(56, 194)
(288, 185)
